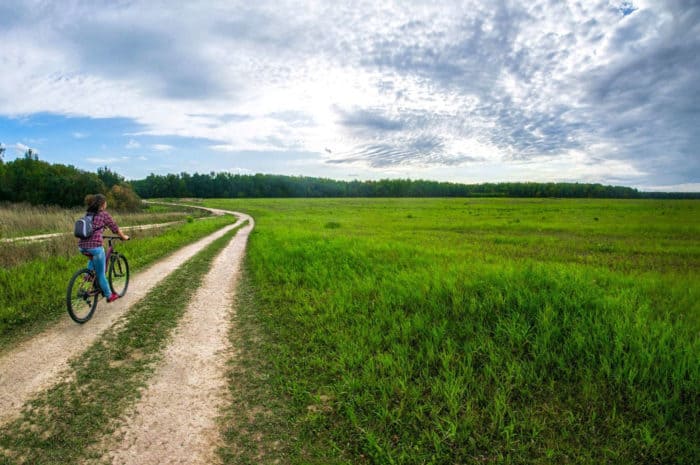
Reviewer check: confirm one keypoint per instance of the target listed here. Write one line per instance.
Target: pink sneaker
(113, 297)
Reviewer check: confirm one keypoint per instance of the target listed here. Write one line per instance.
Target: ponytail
(94, 202)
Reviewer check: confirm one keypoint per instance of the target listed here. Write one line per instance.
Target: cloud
(224, 148)
(688, 187)
(162, 147)
(80, 135)
(105, 160)
(382, 85)
(150, 46)
(11, 13)
(239, 170)
(370, 119)
(21, 148)
(132, 144)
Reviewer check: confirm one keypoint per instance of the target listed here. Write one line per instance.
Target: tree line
(28, 179)
(227, 185)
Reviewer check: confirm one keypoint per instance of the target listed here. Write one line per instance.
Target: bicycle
(84, 290)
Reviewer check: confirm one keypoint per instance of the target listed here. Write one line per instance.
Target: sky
(604, 91)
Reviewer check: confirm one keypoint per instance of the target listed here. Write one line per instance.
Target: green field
(472, 331)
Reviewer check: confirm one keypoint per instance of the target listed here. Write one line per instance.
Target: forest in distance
(38, 182)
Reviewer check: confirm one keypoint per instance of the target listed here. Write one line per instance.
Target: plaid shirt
(99, 222)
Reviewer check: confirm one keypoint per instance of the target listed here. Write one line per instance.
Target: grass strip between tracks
(62, 423)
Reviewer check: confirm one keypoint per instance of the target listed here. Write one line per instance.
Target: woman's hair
(94, 202)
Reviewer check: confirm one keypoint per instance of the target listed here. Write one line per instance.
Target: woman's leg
(98, 264)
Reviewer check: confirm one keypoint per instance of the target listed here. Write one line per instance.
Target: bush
(121, 197)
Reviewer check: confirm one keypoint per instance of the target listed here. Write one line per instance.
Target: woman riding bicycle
(97, 205)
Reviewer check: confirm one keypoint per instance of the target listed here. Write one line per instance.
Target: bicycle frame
(108, 254)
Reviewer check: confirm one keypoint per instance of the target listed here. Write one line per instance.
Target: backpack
(83, 227)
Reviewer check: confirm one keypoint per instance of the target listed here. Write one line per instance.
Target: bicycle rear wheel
(118, 275)
(81, 298)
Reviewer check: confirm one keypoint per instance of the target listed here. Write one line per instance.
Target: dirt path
(37, 363)
(175, 420)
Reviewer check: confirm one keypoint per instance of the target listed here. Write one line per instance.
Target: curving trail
(38, 363)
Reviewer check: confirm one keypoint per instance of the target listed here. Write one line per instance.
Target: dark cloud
(469, 59)
(649, 102)
(418, 150)
(160, 56)
(13, 14)
(642, 107)
(263, 30)
(370, 120)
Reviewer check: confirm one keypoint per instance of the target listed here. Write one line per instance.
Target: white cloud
(687, 187)
(384, 85)
(104, 160)
(238, 170)
(224, 148)
(21, 148)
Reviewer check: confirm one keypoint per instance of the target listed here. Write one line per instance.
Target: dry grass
(22, 219)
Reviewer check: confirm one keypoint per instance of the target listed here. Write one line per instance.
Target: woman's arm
(114, 227)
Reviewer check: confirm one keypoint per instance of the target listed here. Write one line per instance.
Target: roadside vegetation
(34, 276)
(415, 331)
(66, 423)
(23, 219)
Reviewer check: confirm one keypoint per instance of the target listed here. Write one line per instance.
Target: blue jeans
(98, 264)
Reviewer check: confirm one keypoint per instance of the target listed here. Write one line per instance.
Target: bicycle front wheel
(81, 298)
(118, 274)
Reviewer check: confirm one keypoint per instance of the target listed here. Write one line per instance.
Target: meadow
(469, 331)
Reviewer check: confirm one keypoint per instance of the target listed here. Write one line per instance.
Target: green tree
(31, 154)
(109, 177)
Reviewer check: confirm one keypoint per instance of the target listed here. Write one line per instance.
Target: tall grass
(33, 292)
(482, 331)
(25, 220)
